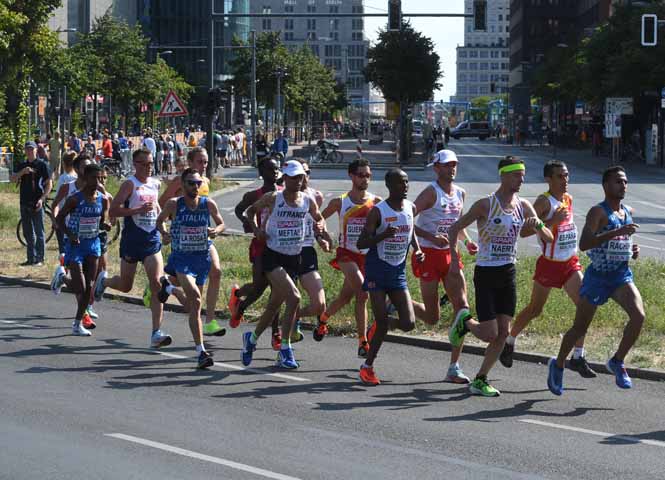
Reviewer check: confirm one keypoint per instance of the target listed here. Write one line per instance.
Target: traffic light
(394, 15)
(216, 99)
(480, 15)
(649, 30)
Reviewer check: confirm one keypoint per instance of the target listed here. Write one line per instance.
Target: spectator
(35, 186)
(217, 141)
(224, 151)
(55, 153)
(107, 147)
(150, 144)
(280, 145)
(74, 143)
(191, 141)
(90, 147)
(159, 160)
(359, 148)
(261, 147)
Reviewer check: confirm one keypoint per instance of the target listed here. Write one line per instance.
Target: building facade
(340, 43)
(483, 60)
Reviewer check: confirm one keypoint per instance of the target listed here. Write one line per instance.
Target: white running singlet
(286, 225)
(394, 250)
(438, 219)
(142, 193)
(564, 246)
(309, 221)
(497, 238)
(352, 219)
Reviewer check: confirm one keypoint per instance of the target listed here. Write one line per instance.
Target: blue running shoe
(285, 359)
(620, 374)
(248, 349)
(554, 377)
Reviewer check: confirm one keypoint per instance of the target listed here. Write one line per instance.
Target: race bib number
(443, 226)
(620, 249)
(502, 248)
(567, 238)
(354, 228)
(194, 239)
(394, 249)
(88, 228)
(290, 233)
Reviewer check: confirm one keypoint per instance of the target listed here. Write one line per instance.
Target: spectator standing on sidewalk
(55, 153)
(35, 185)
(280, 145)
(150, 144)
(359, 148)
(74, 143)
(107, 147)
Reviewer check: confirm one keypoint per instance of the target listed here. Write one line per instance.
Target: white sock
(170, 289)
(454, 364)
(200, 348)
(578, 352)
(364, 365)
(511, 340)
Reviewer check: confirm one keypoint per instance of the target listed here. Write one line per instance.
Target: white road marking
(200, 456)
(626, 438)
(478, 156)
(648, 204)
(19, 324)
(230, 366)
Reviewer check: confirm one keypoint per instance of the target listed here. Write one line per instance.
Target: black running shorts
(272, 260)
(496, 291)
(309, 261)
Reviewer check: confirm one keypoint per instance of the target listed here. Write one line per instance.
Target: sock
(286, 343)
(253, 339)
(454, 364)
(364, 365)
(170, 289)
(510, 340)
(200, 348)
(578, 352)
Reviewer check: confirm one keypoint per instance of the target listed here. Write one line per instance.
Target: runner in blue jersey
(190, 257)
(607, 237)
(136, 201)
(87, 210)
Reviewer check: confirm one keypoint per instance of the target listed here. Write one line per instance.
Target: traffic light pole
(210, 124)
(253, 94)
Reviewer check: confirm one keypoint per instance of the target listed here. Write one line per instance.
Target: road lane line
(230, 366)
(200, 456)
(609, 436)
(648, 204)
(19, 324)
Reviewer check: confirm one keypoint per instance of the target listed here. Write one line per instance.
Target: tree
(404, 66)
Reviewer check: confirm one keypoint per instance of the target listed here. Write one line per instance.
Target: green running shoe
(480, 387)
(147, 295)
(214, 328)
(458, 328)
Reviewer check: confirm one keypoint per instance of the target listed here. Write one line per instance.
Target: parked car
(471, 129)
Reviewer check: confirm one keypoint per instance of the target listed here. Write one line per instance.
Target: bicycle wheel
(19, 233)
(49, 229)
(336, 156)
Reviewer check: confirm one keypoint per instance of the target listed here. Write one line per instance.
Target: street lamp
(280, 73)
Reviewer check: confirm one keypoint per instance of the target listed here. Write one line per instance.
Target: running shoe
(480, 387)
(58, 280)
(370, 332)
(88, 322)
(213, 328)
(99, 286)
(321, 329)
(363, 349)
(458, 328)
(147, 296)
(159, 339)
(581, 366)
(297, 335)
(276, 341)
(620, 374)
(456, 375)
(163, 295)
(368, 377)
(234, 304)
(247, 349)
(554, 377)
(285, 359)
(205, 360)
(506, 357)
(91, 312)
(79, 330)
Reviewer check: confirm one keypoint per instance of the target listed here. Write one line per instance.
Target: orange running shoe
(234, 303)
(368, 377)
(276, 341)
(88, 322)
(321, 329)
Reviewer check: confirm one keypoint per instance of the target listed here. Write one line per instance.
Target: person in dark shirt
(35, 185)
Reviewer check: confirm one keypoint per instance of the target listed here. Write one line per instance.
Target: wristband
(466, 241)
(540, 226)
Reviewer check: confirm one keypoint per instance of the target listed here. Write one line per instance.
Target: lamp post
(279, 73)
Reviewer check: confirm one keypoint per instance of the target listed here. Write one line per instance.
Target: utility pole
(210, 127)
(252, 108)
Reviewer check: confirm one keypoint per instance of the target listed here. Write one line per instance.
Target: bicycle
(329, 154)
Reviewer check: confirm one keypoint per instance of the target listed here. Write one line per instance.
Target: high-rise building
(482, 62)
(340, 43)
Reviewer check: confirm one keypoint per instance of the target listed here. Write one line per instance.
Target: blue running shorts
(598, 287)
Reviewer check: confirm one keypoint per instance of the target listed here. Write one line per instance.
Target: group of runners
(287, 219)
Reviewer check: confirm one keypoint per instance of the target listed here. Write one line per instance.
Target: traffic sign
(579, 107)
(172, 106)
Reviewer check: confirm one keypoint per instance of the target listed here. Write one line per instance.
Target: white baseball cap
(443, 157)
(293, 168)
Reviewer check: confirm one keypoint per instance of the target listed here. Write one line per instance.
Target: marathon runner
(190, 257)
(438, 207)
(387, 234)
(242, 297)
(501, 217)
(81, 219)
(557, 267)
(140, 240)
(197, 158)
(607, 237)
(284, 235)
(352, 208)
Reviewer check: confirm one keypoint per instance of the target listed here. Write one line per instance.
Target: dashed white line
(626, 438)
(230, 366)
(200, 456)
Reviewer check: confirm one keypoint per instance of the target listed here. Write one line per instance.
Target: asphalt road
(107, 407)
(477, 173)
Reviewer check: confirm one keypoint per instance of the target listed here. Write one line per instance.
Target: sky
(445, 33)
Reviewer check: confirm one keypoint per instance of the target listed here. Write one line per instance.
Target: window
(337, 50)
(315, 49)
(288, 8)
(288, 24)
(473, 89)
(504, 66)
(483, 54)
(288, 35)
(504, 54)
(484, 66)
(461, 77)
(328, 50)
(473, 77)
(494, 54)
(334, 24)
(483, 89)
(311, 24)
(461, 53)
(495, 65)
(266, 24)
(356, 65)
(461, 66)
(357, 23)
(484, 77)
(311, 35)
(357, 9)
(494, 77)
(473, 54)
(311, 8)
(473, 66)
(266, 9)
(461, 89)
(500, 17)
(334, 9)
(357, 36)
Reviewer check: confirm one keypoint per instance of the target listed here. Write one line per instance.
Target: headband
(515, 167)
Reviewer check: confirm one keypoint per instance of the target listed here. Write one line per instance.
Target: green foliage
(404, 66)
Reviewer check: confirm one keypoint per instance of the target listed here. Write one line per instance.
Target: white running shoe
(58, 280)
(78, 330)
(159, 339)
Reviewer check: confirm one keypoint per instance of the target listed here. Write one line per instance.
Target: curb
(414, 341)
(375, 166)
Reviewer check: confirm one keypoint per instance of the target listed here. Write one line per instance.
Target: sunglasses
(363, 175)
(194, 183)
(306, 172)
